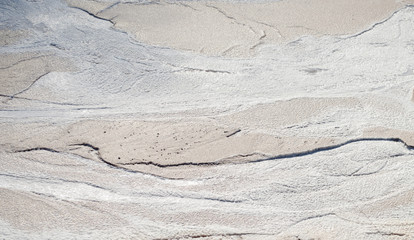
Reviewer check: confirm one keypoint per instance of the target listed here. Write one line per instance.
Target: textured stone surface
(206, 120)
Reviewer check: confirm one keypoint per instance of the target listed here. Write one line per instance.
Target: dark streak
(230, 17)
(55, 179)
(99, 157)
(328, 148)
(387, 233)
(234, 133)
(27, 59)
(222, 162)
(210, 235)
(379, 23)
(27, 88)
(109, 7)
(173, 165)
(36, 100)
(116, 166)
(277, 157)
(86, 145)
(314, 70)
(91, 14)
(38, 149)
(205, 70)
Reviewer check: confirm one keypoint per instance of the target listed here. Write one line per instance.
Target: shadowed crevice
(271, 158)
(225, 161)
(378, 23)
(213, 235)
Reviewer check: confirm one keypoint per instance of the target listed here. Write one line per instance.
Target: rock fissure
(211, 235)
(107, 8)
(41, 101)
(378, 23)
(96, 149)
(332, 147)
(233, 19)
(92, 15)
(25, 60)
(387, 233)
(228, 160)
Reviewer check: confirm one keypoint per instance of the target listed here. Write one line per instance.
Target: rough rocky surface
(206, 120)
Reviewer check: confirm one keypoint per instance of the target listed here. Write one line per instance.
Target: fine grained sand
(206, 120)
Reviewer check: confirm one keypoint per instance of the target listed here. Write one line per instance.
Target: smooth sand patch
(272, 116)
(237, 29)
(18, 71)
(166, 147)
(149, 146)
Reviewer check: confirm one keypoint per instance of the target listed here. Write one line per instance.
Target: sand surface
(210, 27)
(207, 119)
